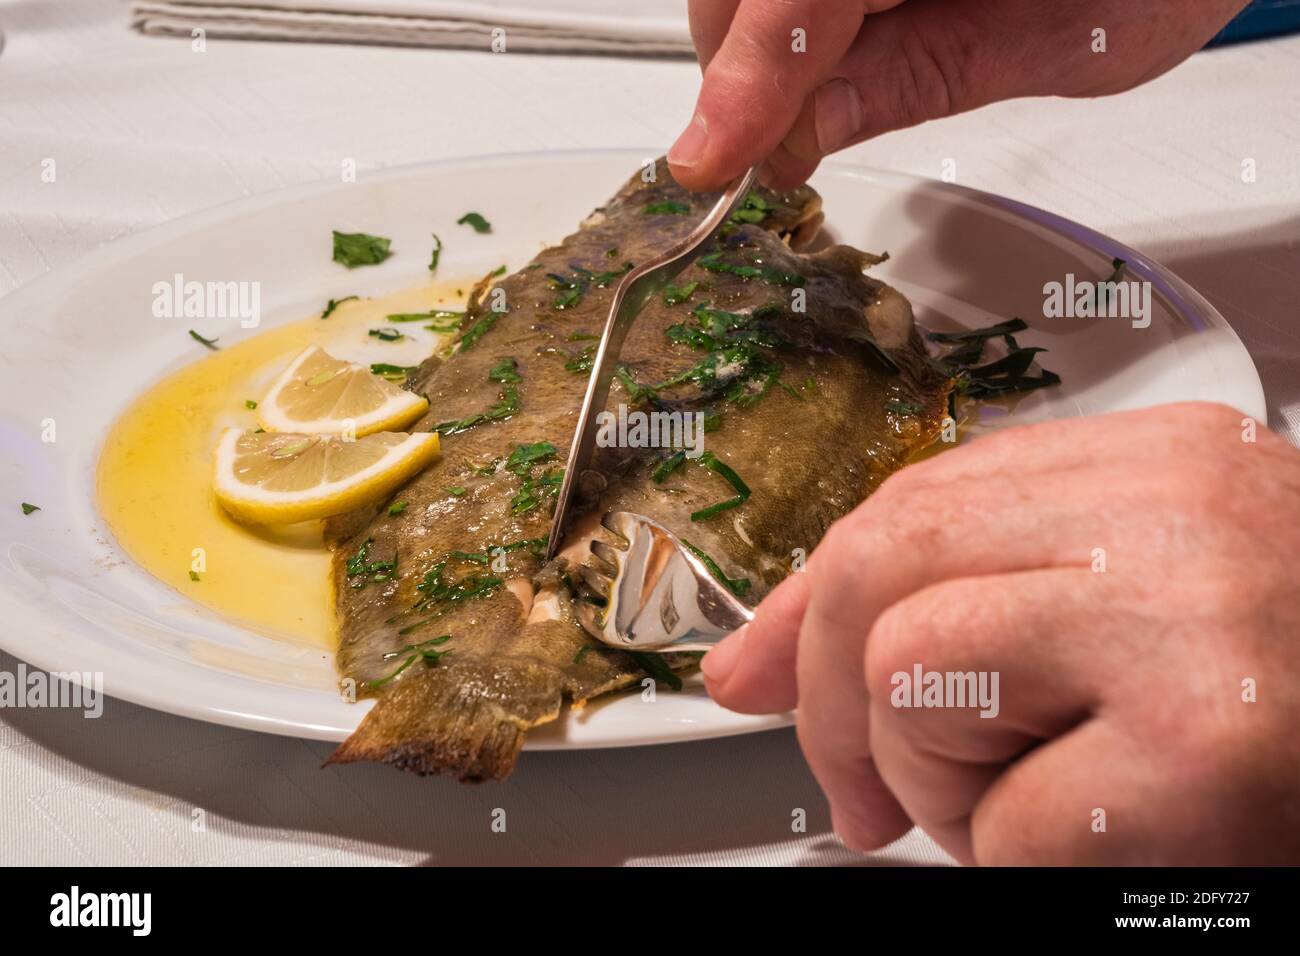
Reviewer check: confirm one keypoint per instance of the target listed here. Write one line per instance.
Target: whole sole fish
(810, 384)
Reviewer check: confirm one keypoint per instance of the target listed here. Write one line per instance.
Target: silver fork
(637, 288)
(659, 595)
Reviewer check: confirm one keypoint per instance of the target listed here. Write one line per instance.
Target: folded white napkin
(632, 27)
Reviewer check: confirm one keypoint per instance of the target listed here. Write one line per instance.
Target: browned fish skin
(810, 449)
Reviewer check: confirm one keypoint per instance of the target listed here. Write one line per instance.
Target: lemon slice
(318, 394)
(282, 477)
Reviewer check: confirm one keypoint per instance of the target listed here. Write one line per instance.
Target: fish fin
(465, 718)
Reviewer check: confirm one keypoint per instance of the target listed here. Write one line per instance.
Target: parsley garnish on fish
(753, 210)
(737, 586)
(394, 373)
(422, 316)
(498, 271)
(334, 304)
(988, 332)
(354, 249)
(505, 371)
(635, 390)
(194, 576)
(582, 361)
(457, 491)
(573, 288)
(656, 667)
(675, 294)
(713, 262)
(386, 335)
(903, 408)
(210, 343)
(533, 490)
(668, 207)
(28, 509)
(425, 650)
(437, 251)
(668, 466)
(583, 651)
(534, 546)
(440, 592)
(368, 572)
(711, 462)
(525, 456)
(473, 219)
(249, 403)
(478, 329)
(396, 508)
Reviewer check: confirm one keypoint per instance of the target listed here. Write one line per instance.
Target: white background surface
(144, 130)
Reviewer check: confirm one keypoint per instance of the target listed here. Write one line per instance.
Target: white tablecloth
(144, 130)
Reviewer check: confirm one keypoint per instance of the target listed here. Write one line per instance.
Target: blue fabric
(1263, 18)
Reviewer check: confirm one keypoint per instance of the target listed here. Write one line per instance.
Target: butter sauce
(154, 477)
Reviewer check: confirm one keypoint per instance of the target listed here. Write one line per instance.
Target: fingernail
(837, 114)
(688, 149)
(718, 664)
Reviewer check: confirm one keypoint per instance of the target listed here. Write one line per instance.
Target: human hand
(1120, 690)
(872, 66)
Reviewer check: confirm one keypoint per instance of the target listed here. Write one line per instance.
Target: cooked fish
(813, 386)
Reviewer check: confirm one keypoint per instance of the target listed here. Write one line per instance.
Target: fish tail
(466, 719)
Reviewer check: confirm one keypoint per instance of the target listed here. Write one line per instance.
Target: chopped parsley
(656, 667)
(440, 591)
(334, 304)
(711, 462)
(753, 210)
(386, 335)
(194, 576)
(210, 343)
(394, 373)
(365, 571)
(426, 651)
(737, 586)
(534, 489)
(1004, 376)
(713, 262)
(28, 509)
(675, 294)
(478, 329)
(668, 466)
(250, 404)
(903, 408)
(583, 360)
(505, 372)
(473, 219)
(668, 207)
(437, 251)
(354, 249)
(572, 288)
(396, 508)
(424, 316)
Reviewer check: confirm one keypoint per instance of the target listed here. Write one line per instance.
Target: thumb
(773, 56)
(753, 670)
(914, 63)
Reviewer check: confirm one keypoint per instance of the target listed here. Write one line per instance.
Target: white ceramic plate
(80, 344)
